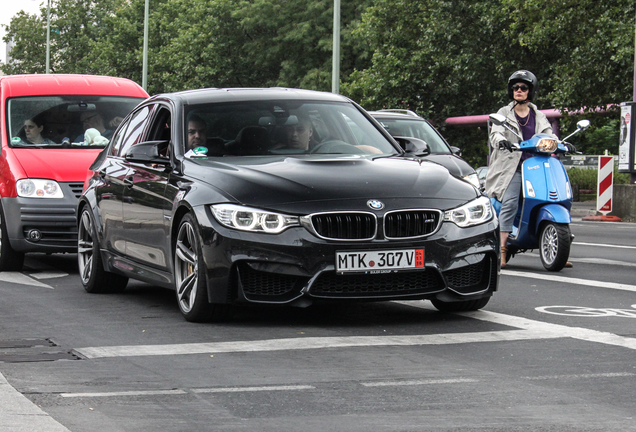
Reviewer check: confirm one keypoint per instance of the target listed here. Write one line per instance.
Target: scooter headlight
(547, 145)
(473, 213)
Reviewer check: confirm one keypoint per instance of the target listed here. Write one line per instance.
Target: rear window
(417, 129)
(61, 121)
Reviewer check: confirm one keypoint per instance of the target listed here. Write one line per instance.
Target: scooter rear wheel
(554, 245)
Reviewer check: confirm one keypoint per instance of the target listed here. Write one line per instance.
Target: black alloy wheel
(189, 276)
(91, 268)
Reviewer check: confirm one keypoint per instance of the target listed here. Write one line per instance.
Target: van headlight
(474, 213)
(38, 188)
(251, 219)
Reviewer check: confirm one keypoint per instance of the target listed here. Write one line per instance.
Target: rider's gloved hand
(570, 147)
(505, 145)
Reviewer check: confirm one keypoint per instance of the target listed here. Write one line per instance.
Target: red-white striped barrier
(605, 184)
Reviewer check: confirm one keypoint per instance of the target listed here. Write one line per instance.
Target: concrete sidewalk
(19, 414)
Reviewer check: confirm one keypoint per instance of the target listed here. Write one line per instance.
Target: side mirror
(456, 151)
(148, 152)
(414, 146)
(583, 125)
(498, 119)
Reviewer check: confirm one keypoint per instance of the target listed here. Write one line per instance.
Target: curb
(602, 218)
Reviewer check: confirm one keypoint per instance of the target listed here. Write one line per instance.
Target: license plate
(379, 261)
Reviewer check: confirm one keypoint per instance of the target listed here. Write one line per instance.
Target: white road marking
(309, 343)
(252, 389)
(602, 261)
(604, 245)
(576, 281)
(582, 376)
(529, 330)
(48, 275)
(21, 278)
(419, 382)
(125, 393)
(180, 392)
(555, 329)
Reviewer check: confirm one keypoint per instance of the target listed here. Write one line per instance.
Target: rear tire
(554, 245)
(460, 306)
(91, 268)
(10, 260)
(189, 277)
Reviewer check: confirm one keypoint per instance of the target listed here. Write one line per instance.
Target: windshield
(418, 129)
(61, 121)
(281, 127)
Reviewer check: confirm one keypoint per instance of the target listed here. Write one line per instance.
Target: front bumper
(295, 267)
(43, 225)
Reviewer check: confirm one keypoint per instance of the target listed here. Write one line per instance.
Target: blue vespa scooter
(543, 218)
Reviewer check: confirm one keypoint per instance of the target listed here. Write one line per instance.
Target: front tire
(189, 276)
(554, 245)
(91, 268)
(10, 260)
(460, 306)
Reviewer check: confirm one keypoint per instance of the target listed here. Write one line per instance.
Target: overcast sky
(9, 8)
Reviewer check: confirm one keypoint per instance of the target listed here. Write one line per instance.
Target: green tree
(75, 26)
(589, 44)
(29, 52)
(440, 59)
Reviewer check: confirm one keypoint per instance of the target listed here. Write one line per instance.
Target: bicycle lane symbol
(581, 311)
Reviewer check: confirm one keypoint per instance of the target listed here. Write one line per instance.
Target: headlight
(250, 219)
(38, 188)
(473, 213)
(546, 145)
(473, 180)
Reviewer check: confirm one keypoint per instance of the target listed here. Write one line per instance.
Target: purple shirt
(527, 125)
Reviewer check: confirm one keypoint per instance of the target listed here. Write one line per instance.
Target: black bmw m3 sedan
(279, 196)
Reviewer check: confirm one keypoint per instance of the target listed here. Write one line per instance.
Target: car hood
(347, 181)
(62, 165)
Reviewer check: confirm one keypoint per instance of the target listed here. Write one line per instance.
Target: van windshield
(65, 121)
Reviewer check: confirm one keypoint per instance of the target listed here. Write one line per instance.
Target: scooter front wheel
(554, 245)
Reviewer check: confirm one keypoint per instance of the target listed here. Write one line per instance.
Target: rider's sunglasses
(521, 87)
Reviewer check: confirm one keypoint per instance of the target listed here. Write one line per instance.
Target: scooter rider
(503, 181)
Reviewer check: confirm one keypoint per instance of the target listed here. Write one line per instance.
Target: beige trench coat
(503, 164)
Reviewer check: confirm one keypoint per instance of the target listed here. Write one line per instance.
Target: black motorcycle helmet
(523, 76)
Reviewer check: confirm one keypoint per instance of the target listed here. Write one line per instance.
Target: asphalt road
(550, 352)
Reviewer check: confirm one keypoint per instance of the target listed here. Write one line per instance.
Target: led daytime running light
(254, 220)
(474, 213)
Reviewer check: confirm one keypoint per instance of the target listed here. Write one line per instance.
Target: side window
(134, 129)
(118, 138)
(160, 129)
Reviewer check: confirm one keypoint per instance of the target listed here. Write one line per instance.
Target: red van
(45, 154)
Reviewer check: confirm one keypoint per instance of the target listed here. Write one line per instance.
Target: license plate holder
(379, 261)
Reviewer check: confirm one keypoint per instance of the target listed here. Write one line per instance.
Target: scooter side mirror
(497, 119)
(583, 125)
